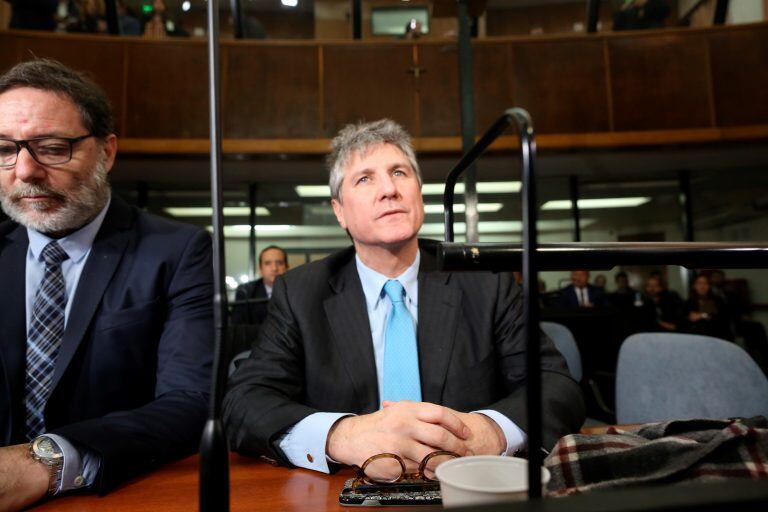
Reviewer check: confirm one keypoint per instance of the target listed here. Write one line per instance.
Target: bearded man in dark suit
(372, 350)
(105, 311)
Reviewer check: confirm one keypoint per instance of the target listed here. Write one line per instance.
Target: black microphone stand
(214, 448)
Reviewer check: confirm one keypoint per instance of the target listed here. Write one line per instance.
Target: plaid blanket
(660, 453)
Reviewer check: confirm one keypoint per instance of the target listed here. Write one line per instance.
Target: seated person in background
(580, 294)
(665, 306)
(105, 314)
(370, 350)
(625, 296)
(600, 282)
(273, 262)
(88, 16)
(641, 14)
(705, 313)
(33, 14)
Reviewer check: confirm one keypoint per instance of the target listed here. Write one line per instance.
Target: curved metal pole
(522, 121)
(214, 448)
(469, 157)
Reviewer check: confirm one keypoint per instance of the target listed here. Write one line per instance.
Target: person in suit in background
(373, 350)
(105, 312)
(273, 262)
(581, 294)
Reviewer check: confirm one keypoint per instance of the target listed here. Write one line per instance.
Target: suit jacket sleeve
(132, 441)
(563, 408)
(264, 395)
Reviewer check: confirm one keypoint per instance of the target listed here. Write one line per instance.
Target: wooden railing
(608, 90)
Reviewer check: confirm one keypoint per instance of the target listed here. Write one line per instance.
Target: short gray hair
(360, 137)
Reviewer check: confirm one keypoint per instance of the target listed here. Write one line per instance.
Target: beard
(66, 210)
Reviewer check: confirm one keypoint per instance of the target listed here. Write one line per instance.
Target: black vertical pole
(593, 15)
(721, 12)
(573, 182)
(531, 304)
(467, 121)
(113, 22)
(686, 208)
(252, 190)
(357, 19)
(686, 220)
(237, 19)
(214, 448)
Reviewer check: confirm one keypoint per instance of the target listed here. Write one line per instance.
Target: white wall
(745, 11)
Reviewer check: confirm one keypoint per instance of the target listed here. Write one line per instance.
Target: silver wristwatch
(44, 450)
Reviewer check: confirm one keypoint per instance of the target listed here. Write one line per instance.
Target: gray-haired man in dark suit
(371, 350)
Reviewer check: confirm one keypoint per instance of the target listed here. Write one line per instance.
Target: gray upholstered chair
(566, 344)
(665, 376)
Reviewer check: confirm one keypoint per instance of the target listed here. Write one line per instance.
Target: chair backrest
(666, 376)
(566, 344)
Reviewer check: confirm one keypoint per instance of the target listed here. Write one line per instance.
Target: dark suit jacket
(252, 313)
(133, 373)
(315, 353)
(568, 297)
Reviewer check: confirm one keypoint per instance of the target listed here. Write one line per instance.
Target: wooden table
(254, 485)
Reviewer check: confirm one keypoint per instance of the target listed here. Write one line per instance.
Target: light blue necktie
(401, 357)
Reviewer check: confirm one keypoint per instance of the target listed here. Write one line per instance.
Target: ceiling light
(461, 207)
(290, 3)
(604, 202)
(427, 189)
(186, 5)
(313, 191)
(483, 187)
(206, 211)
(432, 229)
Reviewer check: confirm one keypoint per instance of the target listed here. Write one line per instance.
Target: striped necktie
(401, 357)
(46, 329)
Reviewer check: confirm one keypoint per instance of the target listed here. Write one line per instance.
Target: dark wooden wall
(680, 85)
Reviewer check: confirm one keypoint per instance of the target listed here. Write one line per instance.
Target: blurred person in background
(581, 294)
(641, 14)
(665, 307)
(706, 313)
(87, 16)
(33, 14)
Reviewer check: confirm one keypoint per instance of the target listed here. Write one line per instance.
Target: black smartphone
(403, 493)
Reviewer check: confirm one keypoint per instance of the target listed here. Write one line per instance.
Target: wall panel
(271, 92)
(739, 62)
(562, 85)
(167, 90)
(368, 82)
(660, 82)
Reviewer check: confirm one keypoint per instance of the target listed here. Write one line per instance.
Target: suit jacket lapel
(439, 303)
(348, 318)
(13, 324)
(103, 260)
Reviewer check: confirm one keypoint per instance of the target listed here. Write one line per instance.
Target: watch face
(45, 447)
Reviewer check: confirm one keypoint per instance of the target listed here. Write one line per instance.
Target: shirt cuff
(516, 438)
(79, 465)
(304, 443)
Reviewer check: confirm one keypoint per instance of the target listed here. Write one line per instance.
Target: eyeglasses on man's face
(45, 150)
(389, 468)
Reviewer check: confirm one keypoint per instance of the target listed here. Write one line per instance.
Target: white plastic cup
(483, 479)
